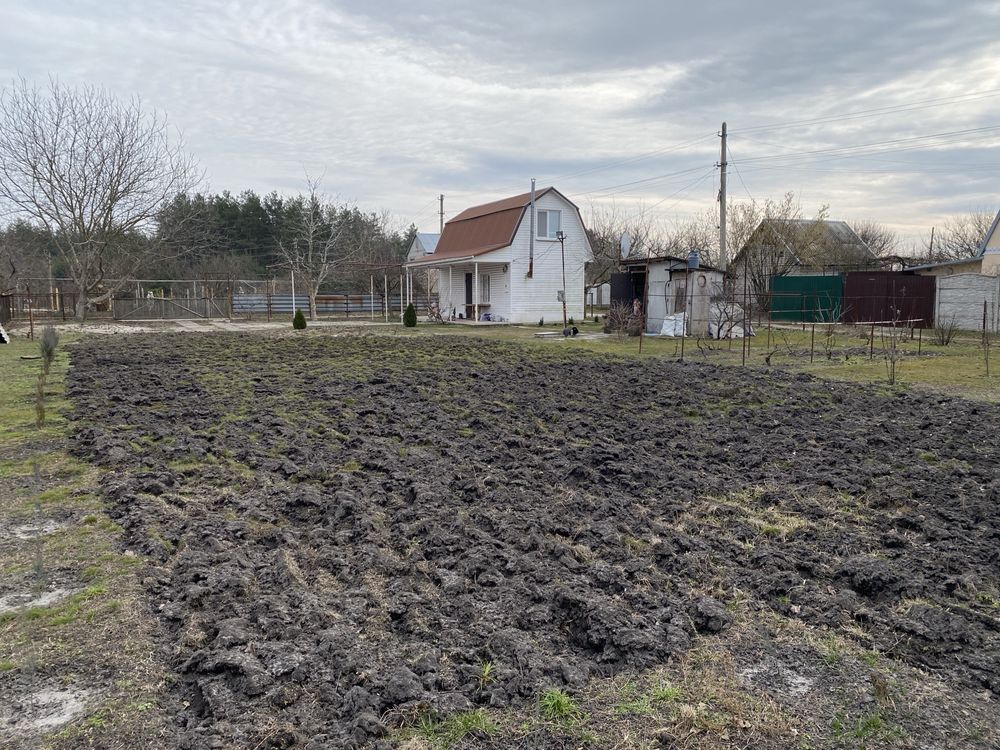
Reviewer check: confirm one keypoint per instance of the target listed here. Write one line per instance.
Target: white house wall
(537, 297)
(454, 297)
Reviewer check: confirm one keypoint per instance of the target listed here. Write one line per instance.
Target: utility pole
(561, 236)
(930, 250)
(440, 213)
(722, 204)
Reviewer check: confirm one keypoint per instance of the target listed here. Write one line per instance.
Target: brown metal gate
(887, 297)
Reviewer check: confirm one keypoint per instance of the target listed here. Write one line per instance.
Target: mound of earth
(342, 532)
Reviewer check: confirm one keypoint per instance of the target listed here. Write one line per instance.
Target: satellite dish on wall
(625, 243)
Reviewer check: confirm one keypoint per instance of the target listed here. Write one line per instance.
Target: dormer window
(548, 224)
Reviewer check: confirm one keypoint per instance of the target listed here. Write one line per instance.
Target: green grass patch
(557, 705)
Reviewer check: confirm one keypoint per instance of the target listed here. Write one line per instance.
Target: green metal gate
(807, 298)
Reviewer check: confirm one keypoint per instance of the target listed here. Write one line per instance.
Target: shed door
(621, 288)
(468, 288)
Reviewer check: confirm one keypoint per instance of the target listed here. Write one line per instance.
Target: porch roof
(432, 262)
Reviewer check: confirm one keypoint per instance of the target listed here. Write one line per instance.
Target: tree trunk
(312, 305)
(81, 307)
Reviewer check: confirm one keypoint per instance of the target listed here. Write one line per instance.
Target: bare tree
(700, 233)
(605, 229)
(960, 236)
(94, 170)
(881, 240)
(780, 240)
(314, 241)
(8, 267)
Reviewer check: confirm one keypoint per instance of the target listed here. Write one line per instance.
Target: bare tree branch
(94, 171)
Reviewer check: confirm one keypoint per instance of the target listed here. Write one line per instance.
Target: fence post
(31, 319)
(871, 343)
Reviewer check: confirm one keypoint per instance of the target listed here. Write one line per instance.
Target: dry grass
(98, 638)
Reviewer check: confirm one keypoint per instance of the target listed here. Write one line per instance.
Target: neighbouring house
(491, 266)
(666, 286)
(424, 244)
(599, 295)
(986, 261)
(798, 247)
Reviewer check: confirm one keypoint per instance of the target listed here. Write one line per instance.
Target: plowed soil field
(428, 542)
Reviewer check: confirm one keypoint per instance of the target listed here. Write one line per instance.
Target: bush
(945, 331)
(410, 316)
(47, 347)
(571, 322)
(541, 322)
(299, 321)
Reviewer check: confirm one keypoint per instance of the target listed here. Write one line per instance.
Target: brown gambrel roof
(482, 229)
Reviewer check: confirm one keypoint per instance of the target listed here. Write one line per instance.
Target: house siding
(537, 297)
(499, 286)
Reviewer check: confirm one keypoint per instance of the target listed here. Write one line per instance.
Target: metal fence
(26, 307)
(888, 295)
(159, 308)
(261, 305)
(326, 304)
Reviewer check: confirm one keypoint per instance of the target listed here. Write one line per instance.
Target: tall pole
(723, 260)
(293, 291)
(531, 233)
(440, 213)
(562, 252)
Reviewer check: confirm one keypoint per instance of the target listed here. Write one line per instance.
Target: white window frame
(484, 287)
(550, 232)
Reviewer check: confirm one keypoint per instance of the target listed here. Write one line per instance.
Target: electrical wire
(877, 111)
(731, 160)
(631, 159)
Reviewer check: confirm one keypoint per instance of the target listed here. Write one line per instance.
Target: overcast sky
(613, 102)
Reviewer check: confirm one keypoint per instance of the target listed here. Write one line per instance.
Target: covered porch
(469, 290)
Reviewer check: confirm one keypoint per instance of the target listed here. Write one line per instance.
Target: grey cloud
(397, 101)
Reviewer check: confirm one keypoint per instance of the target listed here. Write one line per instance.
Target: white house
(423, 245)
(986, 261)
(492, 266)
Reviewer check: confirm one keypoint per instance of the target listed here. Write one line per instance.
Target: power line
(877, 111)
(631, 159)
(739, 174)
(645, 180)
(858, 149)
